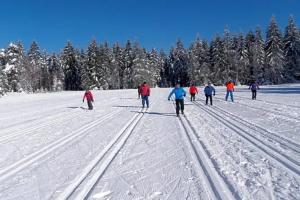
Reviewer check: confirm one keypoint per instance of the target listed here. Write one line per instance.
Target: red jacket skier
(145, 93)
(193, 92)
(89, 97)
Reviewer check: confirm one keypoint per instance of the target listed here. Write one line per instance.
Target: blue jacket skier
(180, 93)
(209, 90)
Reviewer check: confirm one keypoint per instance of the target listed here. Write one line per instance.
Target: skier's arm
(184, 92)
(170, 94)
(83, 97)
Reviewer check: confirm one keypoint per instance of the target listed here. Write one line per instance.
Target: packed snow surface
(52, 147)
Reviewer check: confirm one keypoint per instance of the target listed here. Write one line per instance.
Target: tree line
(242, 58)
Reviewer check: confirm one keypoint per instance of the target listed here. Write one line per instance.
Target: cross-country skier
(179, 98)
(209, 90)
(254, 87)
(193, 92)
(230, 90)
(89, 98)
(145, 93)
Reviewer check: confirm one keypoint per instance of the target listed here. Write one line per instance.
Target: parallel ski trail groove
(35, 126)
(90, 176)
(22, 164)
(288, 117)
(291, 167)
(269, 102)
(219, 188)
(273, 136)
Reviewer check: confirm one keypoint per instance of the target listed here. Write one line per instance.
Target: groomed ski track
(121, 151)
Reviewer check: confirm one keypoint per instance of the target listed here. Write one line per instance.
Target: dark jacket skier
(254, 87)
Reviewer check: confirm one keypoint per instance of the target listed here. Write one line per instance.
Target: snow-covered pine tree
(229, 57)
(248, 75)
(180, 63)
(194, 52)
(140, 66)
(163, 63)
(119, 64)
(14, 55)
(56, 73)
(105, 60)
(258, 57)
(292, 50)
(91, 66)
(274, 54)
(72, 71)
(205, 62)
(218, 61)
(4, 86)
(129, 57)
(241, 58)
(169, 69)
(35, 66)
(45, 74)
(154, 68)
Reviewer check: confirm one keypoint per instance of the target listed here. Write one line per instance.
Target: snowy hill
(52, 147)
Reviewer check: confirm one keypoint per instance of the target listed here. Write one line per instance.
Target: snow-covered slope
(51, 147)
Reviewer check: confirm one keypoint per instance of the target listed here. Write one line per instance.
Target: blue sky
(154, 23)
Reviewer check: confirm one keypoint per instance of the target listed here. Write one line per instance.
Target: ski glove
(168, 99)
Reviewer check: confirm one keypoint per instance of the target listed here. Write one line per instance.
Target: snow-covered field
(51, 147)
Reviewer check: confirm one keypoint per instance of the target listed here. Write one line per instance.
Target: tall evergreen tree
(55, 73)
(258, 57)
(274, 54)
(218, 61)
(119, 64)
(292, 50)
(249, 75)
(180, 63)
(105, 59)
(72, 71)
(14, 56)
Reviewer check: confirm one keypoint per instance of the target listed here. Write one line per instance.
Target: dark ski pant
(253, 94)
(90, 105)
(193, 97)
(208, 97)
(179, 105)
(229, 92)
(145, 99)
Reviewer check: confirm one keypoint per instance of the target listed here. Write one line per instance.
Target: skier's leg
(227, 93)
(210, 98)
(206, 101)
(143, 101)
(90, 105)
(182, 106)
(177, 106)
(231, 95)
(255, 92)
(147, 101)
